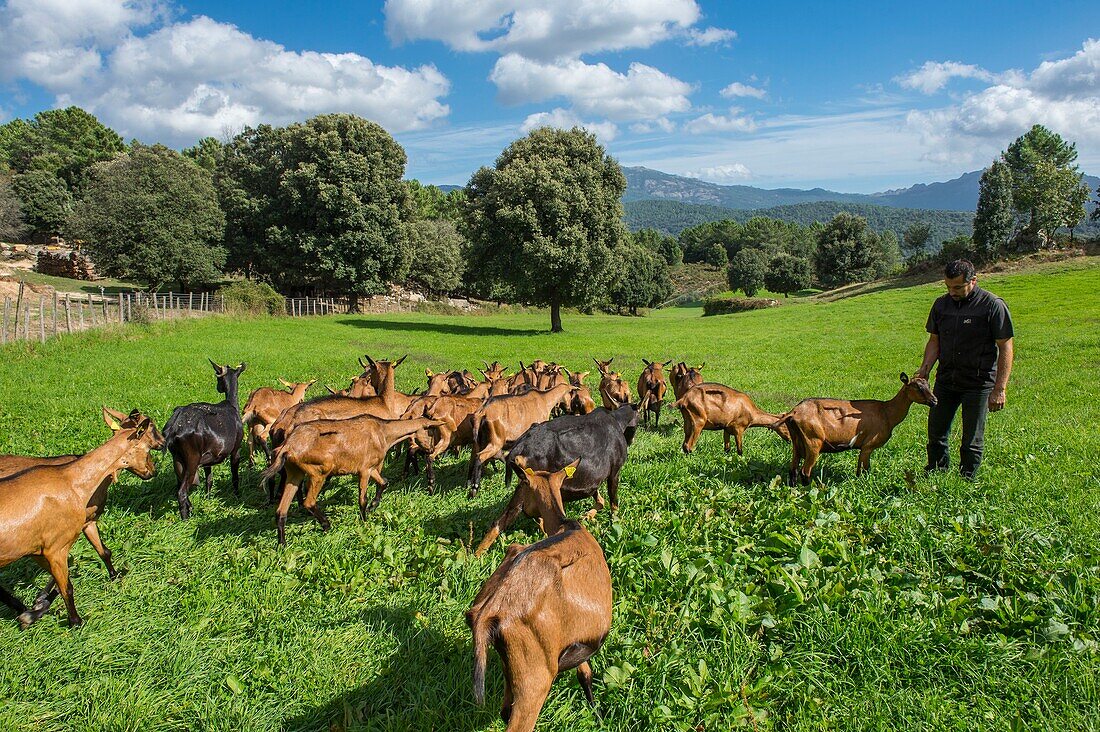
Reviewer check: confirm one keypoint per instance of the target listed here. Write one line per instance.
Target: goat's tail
(481, 650)
(278, 461)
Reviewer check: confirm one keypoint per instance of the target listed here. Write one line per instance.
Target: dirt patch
(9, 287)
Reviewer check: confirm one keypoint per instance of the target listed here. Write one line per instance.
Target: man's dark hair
(960, 268)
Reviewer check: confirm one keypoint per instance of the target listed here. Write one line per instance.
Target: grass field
(889, 601)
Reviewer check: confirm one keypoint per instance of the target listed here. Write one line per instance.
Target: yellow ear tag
(114, 425)
(529, 471)
(569, 470)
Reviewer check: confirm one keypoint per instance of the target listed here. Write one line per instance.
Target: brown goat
(12, 464)
(43, 510)
(684, 377)
(325, 447)
(836, 425)
(501, 420)
(263, 407)
(613, 390)
(718, 407)
(546, 609)
(534, 499)
(651, 390)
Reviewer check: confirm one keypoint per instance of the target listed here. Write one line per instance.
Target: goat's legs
(693, 426)
(376, 473)
(613, 491)
(656, 425)
(507, 518)
(738, 434)
(12, 601)
(208, 473)
(234, 465)
(316, 483)
(56, 562)
(811, 450)
(597, 505)
(91, 533)
(190, 478)
(864, 463)
(284, 506)
(529, 691)
(796, 461)
(584, 676)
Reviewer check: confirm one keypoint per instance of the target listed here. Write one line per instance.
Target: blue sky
(854, 97)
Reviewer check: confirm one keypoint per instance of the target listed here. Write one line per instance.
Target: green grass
(874, 603)
(65, 284)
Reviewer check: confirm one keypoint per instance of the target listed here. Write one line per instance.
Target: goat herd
(547, 607)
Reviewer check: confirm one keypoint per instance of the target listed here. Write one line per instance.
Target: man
(970, 334)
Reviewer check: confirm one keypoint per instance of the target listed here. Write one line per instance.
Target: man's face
(959, 287)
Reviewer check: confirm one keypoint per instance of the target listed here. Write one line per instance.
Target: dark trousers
(975, 408)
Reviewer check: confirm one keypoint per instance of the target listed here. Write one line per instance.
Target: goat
(325, 447)
(203, 435)
(44, 509)
(599, 440)
(263, 407)
(718, 407)
(449, 409)
(836, 425)
(684, 377)
(546, 609)
(613, 390)
(501, 420)
(651, 390)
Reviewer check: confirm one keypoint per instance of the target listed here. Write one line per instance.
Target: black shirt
(968, 331)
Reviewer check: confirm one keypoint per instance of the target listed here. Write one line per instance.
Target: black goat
(599, 439)
(204, 435)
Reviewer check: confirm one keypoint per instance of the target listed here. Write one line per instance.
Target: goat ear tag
(114, 425)
(569, 470)
(529, 471)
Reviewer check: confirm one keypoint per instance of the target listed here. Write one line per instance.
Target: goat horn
(217, 368)
(398, 361)
(370, 361)
(361, 363)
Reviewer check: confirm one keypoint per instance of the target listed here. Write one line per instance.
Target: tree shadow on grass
(424, 684)
(446, 328)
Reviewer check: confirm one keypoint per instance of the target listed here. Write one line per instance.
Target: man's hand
(996, 400)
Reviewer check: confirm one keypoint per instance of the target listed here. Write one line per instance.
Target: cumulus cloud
(710, 122)
(201, 77)
(594, 89)
(542, 29)
(566, 119)
(656, 125)
(737, 89)
(710, 36)
(722, 173)
(934, 75)
(1063, 95)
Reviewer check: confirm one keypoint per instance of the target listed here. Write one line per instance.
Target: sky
(854, 97)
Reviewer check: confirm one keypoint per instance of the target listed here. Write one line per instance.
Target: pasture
(893, 600)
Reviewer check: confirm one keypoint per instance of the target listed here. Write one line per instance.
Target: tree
(662, 244)
(1047, 191)
(959, 247)
(847, 251)
(11, 212)
(430, 202)
(787, 273)
(915, 239)
(697, 241)
(319, 205)
(65, 142)
(1096, 211)
(994, 220)
(46, 201)
(885, 254)
(643, 280)
(716, 255)
(151, 215)
(206, 153)
(547, 219)
(436, 256)
(746, 271)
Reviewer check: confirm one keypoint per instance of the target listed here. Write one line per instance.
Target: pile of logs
(71, 264)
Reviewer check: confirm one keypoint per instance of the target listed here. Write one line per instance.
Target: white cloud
(594, 89)
(1063, 95)
(737, 89)
(710, 122)
(542, 29)
(201, 77)
(710, 36)
(657, 125)
(565, 119)
(934, 75)
(722, 173)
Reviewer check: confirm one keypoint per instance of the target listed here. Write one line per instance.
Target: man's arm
(1004, 368)
(931, 355)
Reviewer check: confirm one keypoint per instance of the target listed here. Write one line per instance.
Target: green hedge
(252, 298)
(727, 305)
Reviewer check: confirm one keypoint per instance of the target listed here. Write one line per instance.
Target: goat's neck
(299, 391)
(231, 392)
(396, 430)
(897, 409)
(97, 467)
(385, 389)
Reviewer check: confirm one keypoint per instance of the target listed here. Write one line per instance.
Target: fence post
(18, 306)
(130, 306)
(27, 321)
(68, 315)
(41, 318)
(80, 307)
(55, 313)
(4, 329)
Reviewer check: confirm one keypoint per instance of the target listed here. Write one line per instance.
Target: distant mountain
(672, 217)
(959, 194)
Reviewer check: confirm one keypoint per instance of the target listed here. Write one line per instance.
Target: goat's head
(918, 390)
(227, 375)
(603, 366)
(143, 437)
(547, 485)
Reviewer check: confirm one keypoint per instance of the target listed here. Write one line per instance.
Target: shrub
(716, 256)
(788, 274)
(247, 297)
(746, 271)
(727, 305)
